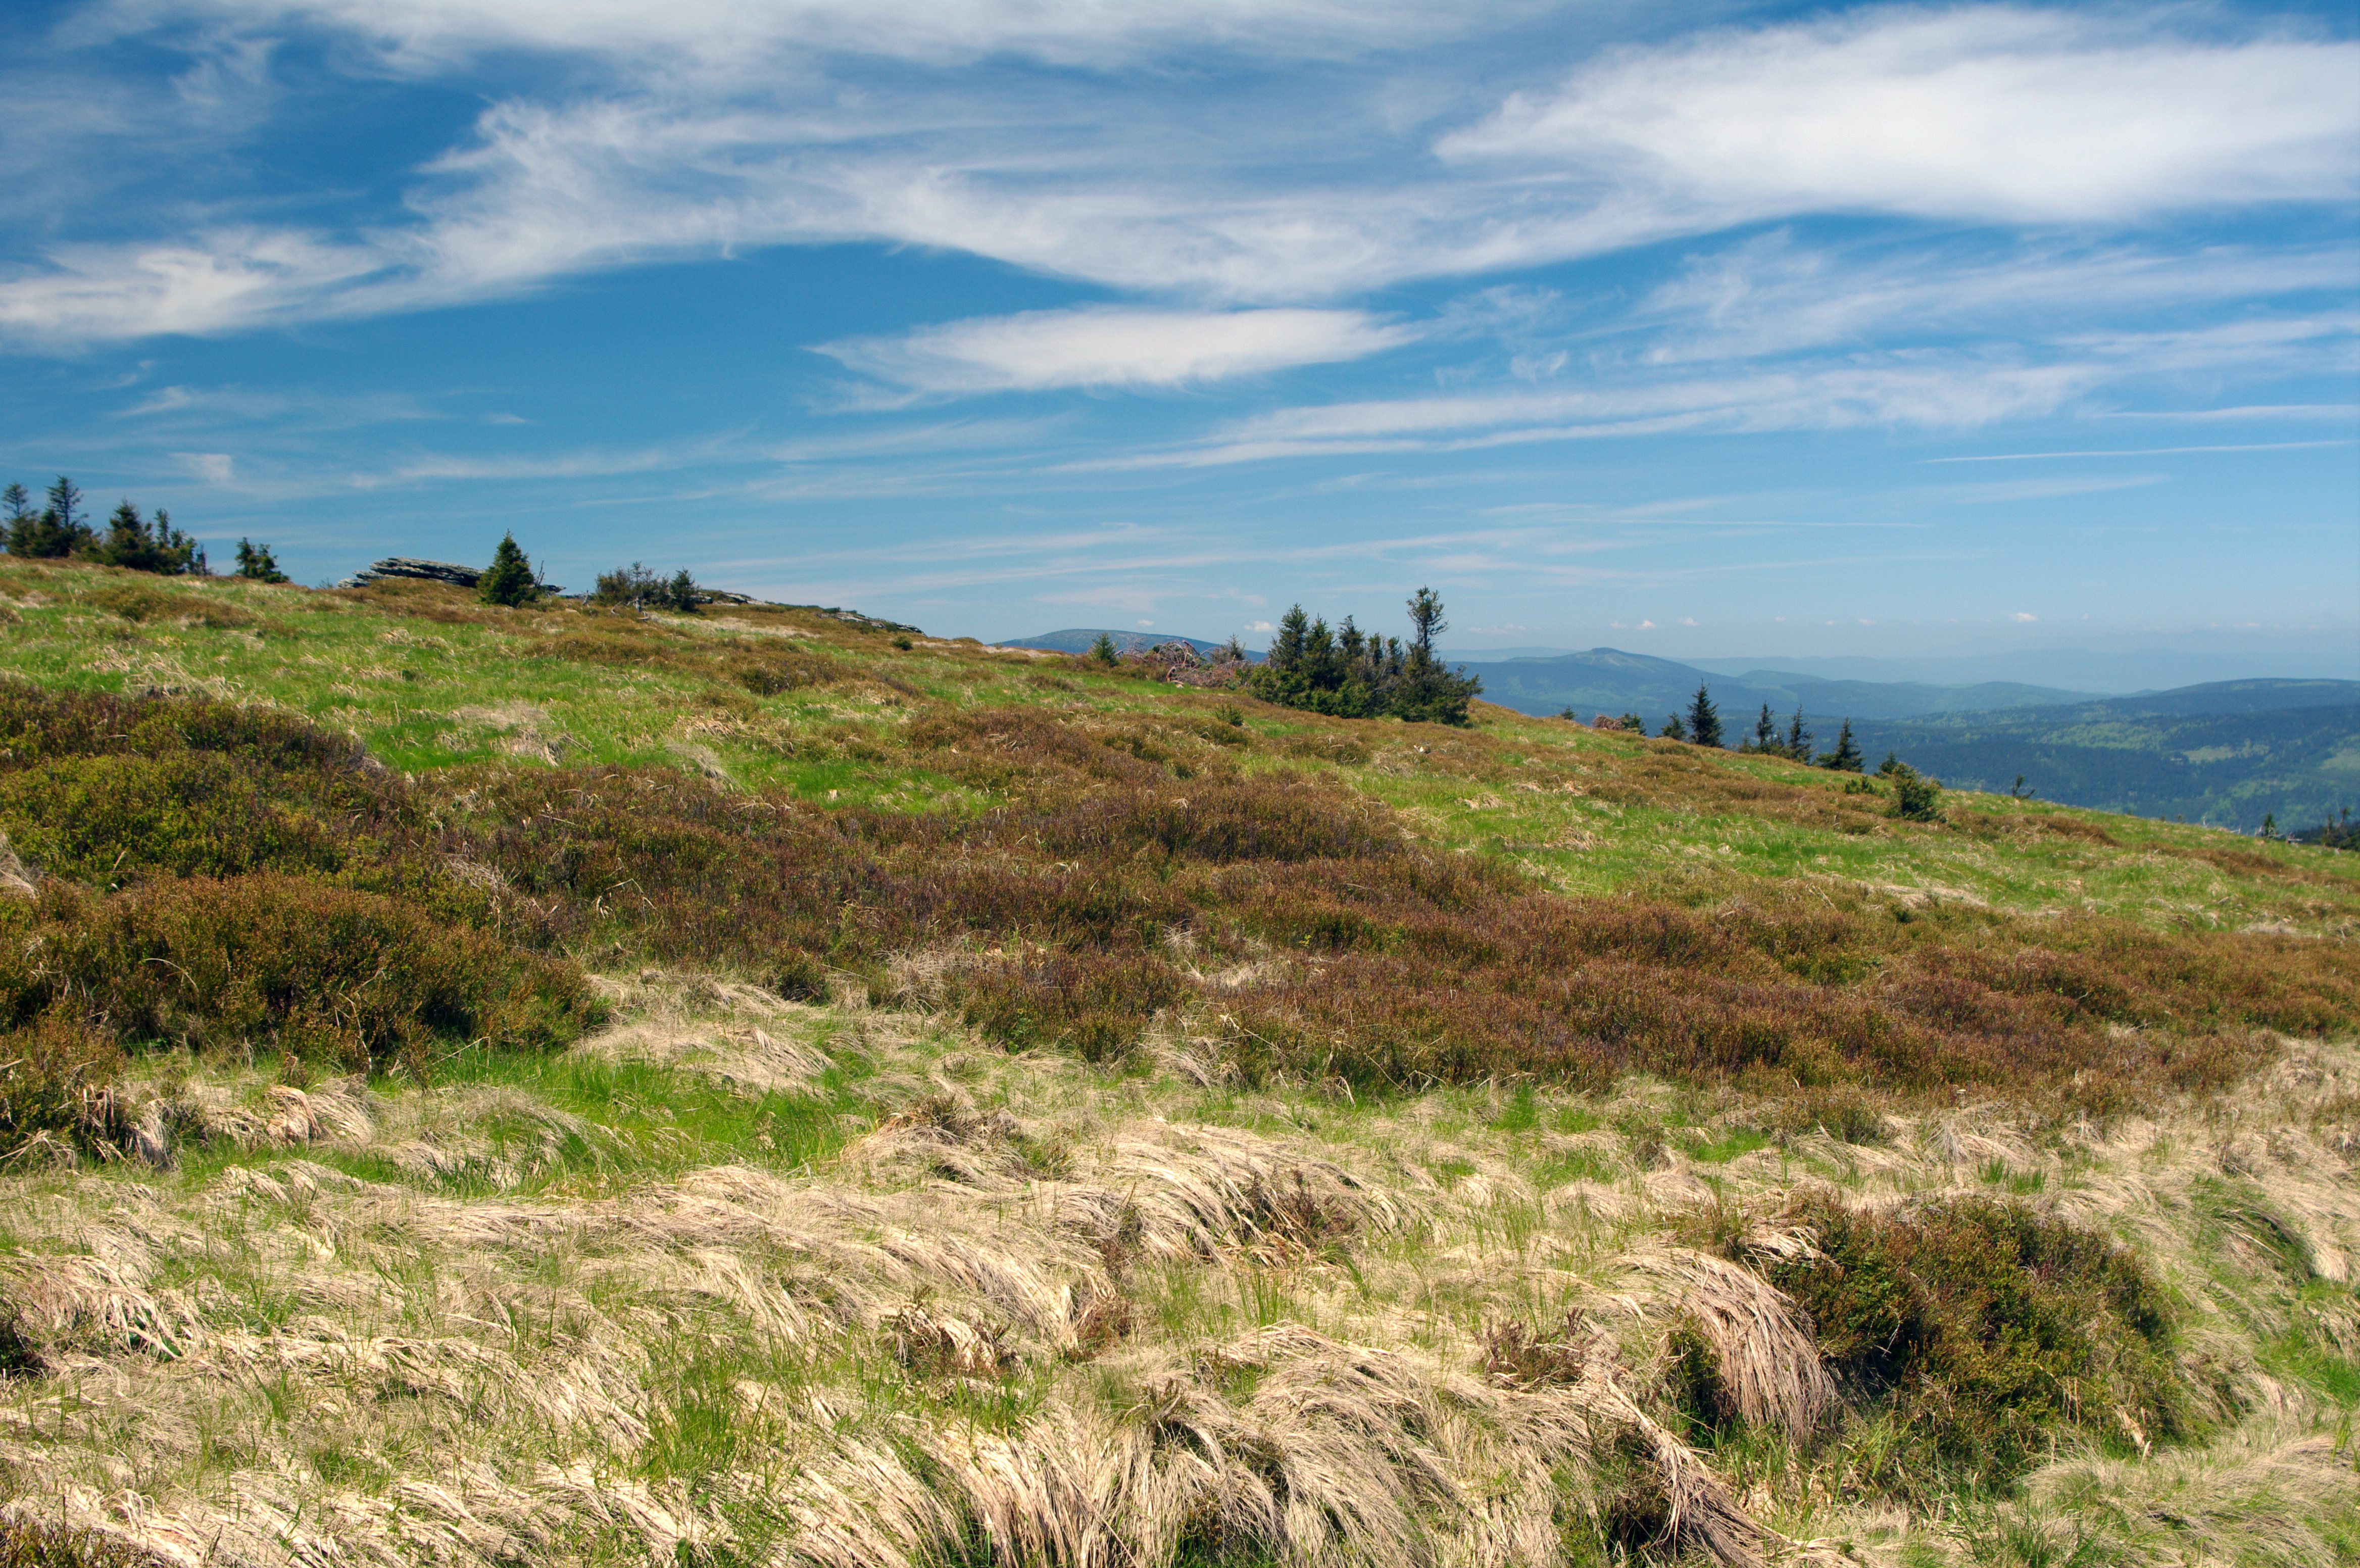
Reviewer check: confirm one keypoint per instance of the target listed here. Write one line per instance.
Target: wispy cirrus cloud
(1114, 346)
(1023, 131)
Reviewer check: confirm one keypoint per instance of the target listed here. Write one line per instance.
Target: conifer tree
(1426, 624)
(255, 564)
(1846, 757)
(1765, 731)
(680, 592)
(1286, 648)
(1674, 729)
(1704, 720)
(1102, 652)
(65, 506)
(133, 542)
(508, 580)
(1799, 739)
(55, 530)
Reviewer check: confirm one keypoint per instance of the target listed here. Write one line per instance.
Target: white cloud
(213, 281)
(1771, 295)
(1982, 112)
(740, 36)
(1109, 346)
(214, 468)
(1688, 621)
(2022, 619)
(1027, 131)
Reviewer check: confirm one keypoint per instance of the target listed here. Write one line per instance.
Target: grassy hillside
(486, 1085)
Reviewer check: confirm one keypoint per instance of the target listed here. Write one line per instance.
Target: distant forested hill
(2159, 755)
(1609, 681)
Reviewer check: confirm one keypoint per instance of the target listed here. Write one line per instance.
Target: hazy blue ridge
(1609, 681)
(1081, 639)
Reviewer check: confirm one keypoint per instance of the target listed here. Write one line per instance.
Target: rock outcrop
(449, 572)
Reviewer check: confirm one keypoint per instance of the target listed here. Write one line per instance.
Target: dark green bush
(1985, 1328)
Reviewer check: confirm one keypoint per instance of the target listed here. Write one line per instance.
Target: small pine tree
(680, 592)
(1673, 729)
(1799, 739)
(135, 544)
(1633, 723)
(1704, 720)
(1102, 652)
(1426, 624)
(255, 564)
(1765, 731)
(1846, 757)
(1916, 799)
(2269, 824)
(65, 506)
(57, 530)
(508, 580)
(1891, 766)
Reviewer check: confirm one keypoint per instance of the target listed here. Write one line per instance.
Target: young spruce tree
(1704, 720)
(1846, 757)
(255, 564)
(1799, 739)
(508, 580)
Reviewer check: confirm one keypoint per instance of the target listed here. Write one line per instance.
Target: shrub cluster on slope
(1132, 865)
(224, 876)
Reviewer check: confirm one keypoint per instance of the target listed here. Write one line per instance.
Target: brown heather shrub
(1394, 965)
(317, 971)
(54, 1072)
(1406, 967)
(97, 788)
(634, 644)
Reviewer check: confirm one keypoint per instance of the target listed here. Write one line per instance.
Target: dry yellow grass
(1080, 1319)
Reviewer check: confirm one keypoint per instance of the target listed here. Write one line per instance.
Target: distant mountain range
(2226, 752)
(1082, 638)
(2103, 673)
(1609, 681)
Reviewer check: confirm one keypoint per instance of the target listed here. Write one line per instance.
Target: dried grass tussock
(1023, 1310)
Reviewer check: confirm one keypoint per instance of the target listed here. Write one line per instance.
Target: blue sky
(1699, 330)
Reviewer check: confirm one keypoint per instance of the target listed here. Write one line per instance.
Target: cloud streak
(1025, 132)
(1111, 346)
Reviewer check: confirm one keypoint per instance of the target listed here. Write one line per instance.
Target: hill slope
(485, 1086)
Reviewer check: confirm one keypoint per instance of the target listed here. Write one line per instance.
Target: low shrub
(312, 970)
(55, 1068)
(31, 1543)
(1982, 1327)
